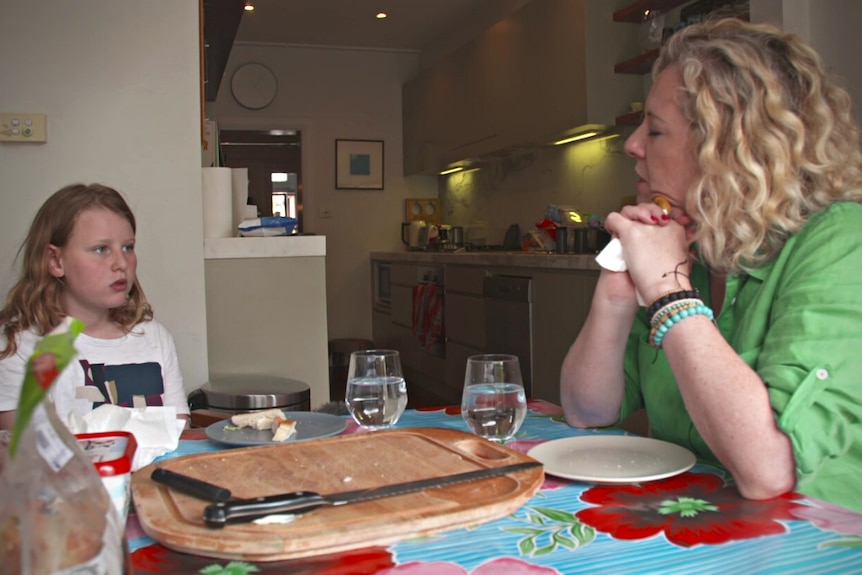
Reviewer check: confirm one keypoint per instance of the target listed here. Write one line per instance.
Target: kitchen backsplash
(595, 177)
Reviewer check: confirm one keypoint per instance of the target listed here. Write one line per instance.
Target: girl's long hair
(35, 302)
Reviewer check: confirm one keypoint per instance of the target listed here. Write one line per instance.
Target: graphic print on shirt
(119, 384)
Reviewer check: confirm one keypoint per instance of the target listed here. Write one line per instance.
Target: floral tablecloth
(693, 523)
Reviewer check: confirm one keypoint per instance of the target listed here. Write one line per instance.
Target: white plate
(309, 425)
(612, 458)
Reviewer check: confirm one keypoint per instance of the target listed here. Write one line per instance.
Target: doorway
(274, 162)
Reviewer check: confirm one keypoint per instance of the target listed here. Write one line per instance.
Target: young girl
(79, 260)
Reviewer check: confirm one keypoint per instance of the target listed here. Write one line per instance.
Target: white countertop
(272, 247)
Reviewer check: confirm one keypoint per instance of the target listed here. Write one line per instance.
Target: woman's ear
(54, 258)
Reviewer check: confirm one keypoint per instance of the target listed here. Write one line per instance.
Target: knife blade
(218, 514)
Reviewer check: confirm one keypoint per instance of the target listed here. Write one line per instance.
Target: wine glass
(494, 403)
(376, 391)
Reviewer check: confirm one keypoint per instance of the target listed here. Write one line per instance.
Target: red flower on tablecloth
(507, 565)
(159, 559)
(690, 509)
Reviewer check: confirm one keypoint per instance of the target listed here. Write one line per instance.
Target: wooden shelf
(640, 64)
(630, 119)
(634, 12)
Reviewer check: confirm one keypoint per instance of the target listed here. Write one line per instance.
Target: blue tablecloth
(693, 523)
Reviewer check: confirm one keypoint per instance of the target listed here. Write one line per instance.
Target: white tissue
(611, 258)
(156, 428)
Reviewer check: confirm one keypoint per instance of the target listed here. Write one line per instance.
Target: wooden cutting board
(328, 466)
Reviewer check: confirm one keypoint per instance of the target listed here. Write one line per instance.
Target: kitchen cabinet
(521, 82)
(465, 320)
(424, 369)
(561, 301)
(561, 297)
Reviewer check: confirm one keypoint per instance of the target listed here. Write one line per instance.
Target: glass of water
(376, 392)
(494, 403)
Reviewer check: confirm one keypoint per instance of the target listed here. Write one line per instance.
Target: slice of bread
(256, 419)
(283, 428)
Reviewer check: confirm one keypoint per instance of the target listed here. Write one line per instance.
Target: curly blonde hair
(35, 300)
(775, 135)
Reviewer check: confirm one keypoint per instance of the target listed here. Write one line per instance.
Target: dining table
(693, 522)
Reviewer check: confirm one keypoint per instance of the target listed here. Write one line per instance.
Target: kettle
(412, 236)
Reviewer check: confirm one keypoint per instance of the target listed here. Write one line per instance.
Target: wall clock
(253, 86)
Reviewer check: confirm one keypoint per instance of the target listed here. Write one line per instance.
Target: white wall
(830, 26)
(119, 82)
(338, 94)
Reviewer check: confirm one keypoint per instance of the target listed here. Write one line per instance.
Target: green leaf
(556, 514)
(546, 550)
(564, 541)
(60, 344)
(527, 546)
(848, 543)
(524, 531)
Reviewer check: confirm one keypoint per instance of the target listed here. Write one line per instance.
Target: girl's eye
(130, 248)
(100, 250)
(653, 133)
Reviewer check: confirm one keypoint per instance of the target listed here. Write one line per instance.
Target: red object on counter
(550, 226)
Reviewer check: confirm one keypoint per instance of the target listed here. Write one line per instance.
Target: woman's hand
(655, 247)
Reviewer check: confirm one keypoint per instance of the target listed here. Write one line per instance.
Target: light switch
(23, 127)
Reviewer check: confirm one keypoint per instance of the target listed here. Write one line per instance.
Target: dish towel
(611, 258)
(428, 314)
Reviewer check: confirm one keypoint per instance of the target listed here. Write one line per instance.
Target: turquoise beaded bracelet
(674, 318)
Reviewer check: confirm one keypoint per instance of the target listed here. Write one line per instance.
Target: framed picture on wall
(359, 164)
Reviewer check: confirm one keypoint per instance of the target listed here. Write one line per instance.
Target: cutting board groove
(333, 465)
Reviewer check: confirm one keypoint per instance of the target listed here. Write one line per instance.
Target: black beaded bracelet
(669, 297)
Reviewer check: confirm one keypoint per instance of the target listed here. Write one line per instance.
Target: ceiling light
(248, 6)
(451, 171)
(583, 136)
(381, 15)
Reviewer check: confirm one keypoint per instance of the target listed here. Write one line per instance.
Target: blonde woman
(749, 348)
(79, 260)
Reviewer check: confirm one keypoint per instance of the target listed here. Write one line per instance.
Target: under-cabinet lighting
(248, 7)
(381, 15)
(451, 171)
(583, 136)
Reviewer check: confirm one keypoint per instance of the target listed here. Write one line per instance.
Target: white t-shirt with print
(141, 366)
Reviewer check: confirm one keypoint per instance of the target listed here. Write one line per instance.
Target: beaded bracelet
(671, 296)
(674, 318)
(670, 309)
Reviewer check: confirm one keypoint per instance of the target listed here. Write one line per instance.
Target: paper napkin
(156, 428)
(611, 258)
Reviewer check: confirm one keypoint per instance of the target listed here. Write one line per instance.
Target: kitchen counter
(518, 259)
(271, 247)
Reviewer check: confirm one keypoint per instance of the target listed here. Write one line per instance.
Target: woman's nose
(634, 143)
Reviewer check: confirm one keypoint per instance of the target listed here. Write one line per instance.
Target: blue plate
(309, 425)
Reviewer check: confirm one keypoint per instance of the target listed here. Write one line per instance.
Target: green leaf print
(550, 529)
(232, 568)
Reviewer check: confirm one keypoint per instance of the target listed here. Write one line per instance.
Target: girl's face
(98, 264)
(666, 162)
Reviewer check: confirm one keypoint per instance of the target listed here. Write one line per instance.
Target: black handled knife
(190, 485)
(221, 512)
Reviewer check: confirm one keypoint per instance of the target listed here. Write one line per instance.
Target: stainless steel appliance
(381, 284)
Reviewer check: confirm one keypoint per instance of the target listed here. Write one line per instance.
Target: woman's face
(666, 161)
